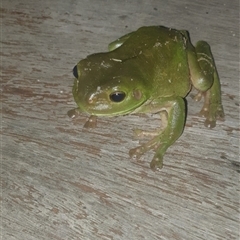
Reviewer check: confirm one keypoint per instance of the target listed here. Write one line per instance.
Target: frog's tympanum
(150, 70)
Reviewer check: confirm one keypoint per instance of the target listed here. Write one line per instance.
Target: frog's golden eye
(75, 72)
(117, 96)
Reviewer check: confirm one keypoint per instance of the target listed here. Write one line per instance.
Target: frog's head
(107, 90)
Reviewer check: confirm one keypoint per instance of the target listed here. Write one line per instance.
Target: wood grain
(60, 181)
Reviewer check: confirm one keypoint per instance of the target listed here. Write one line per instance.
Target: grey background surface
(62, 182)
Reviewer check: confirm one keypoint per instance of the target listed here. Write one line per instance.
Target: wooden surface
(62, 182)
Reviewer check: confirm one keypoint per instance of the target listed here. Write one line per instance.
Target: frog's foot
(157, 161)
(73, 113)
(212, 112)
(91, 122)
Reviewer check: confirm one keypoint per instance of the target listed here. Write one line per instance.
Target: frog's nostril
(75, 72)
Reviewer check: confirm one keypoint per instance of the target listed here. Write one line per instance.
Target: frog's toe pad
(138, 133)
(209, 123)
(91, 122)
(72, 113)
(204, 112)
(136, 152)
(212, 113)
(156, 163)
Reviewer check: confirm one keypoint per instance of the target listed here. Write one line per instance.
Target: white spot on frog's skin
(92, 97)
(157, 44)
(179, 66)
(90, 100)
(100, 107)
(104, 64)
(116, 60)
(169, 80)
(98, 90)
(185, 41)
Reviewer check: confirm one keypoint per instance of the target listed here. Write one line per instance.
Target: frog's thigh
(201, 66)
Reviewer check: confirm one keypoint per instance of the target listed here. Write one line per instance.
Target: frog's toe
(157, 162)
(73, 113)
(136, 152)
(209, 123)
(140, 150)
(211, 115)
(204, 112)
(197, 97)
(91, 122)
(138, 133)
(220, 113)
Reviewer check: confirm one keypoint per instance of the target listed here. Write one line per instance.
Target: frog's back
(165, 50)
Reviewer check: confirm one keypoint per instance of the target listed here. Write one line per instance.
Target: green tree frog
(150, 70)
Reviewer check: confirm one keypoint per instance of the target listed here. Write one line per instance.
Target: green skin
(150, 70)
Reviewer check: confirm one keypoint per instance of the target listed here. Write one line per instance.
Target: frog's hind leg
(208, 84)
(212, 108)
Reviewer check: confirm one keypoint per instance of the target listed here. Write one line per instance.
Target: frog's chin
(110, 112)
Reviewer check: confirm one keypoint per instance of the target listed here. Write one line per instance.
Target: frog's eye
(117, 96)
(75, 72)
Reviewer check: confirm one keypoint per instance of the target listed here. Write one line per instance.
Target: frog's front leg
(175, 108)
(90, 123)
(205, 79)
(164, 121)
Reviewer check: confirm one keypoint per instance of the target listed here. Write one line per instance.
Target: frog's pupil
(117, 96)
(75, 72)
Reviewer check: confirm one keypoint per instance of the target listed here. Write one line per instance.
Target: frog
(149, 71)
